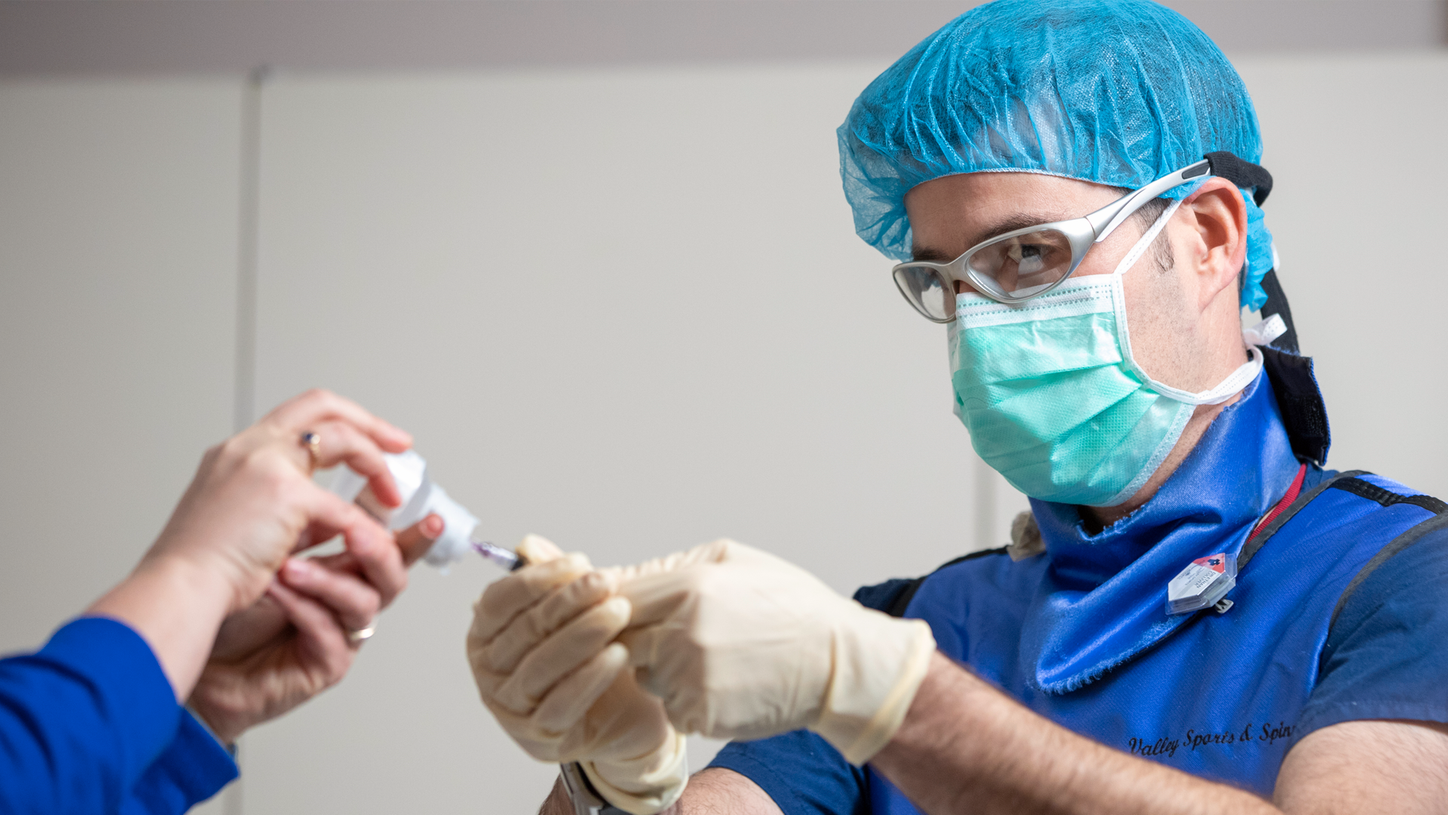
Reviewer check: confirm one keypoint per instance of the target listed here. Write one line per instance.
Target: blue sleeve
(82, 721)
(801, 772)
(1384, 656)
(194, 767)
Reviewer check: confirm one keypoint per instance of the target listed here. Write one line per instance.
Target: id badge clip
(1202, 584)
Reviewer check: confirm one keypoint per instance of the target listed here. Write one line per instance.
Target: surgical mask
(1053, 398)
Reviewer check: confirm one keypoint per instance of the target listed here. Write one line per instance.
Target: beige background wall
(1351, 141)
(118, 244)
(622, 308)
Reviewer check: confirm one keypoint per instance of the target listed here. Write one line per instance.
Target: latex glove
(741, 645)
(292, 643)
(542, 651)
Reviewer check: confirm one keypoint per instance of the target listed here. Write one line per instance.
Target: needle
(506, 558)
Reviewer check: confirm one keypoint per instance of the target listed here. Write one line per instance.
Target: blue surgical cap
(1119, 92)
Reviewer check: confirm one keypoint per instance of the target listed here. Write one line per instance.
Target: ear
(1218, 217)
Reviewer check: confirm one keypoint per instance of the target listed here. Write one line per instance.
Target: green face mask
(1053, 399)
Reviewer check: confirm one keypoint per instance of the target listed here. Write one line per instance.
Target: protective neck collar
(1103, 598)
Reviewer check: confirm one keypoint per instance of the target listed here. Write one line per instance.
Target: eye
(1030, 257)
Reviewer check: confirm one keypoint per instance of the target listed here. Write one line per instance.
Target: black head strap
(1244, 174)
(1304, 413)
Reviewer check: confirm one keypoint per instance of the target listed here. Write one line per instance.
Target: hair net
(1118, 92)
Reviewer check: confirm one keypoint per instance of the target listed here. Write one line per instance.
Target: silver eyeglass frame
(1081, 234)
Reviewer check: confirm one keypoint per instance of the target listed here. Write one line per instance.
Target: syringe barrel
(506, 558)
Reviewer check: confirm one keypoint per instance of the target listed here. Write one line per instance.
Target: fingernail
(432, 526)
(610, 581)
(297, 568)
(619, 606)
(599, 582)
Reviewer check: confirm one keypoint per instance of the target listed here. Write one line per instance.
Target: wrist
(878, 672)
(226, 739)
(205, 583)
(224, 712)
(177, 608)
(644, 785)
(220, 575)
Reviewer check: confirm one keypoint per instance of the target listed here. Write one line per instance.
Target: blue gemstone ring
(313, 443)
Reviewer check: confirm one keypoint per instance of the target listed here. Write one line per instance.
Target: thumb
(415, 540)
(538, 549)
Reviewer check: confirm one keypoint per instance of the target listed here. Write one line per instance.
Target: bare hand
(292, 643)
(253, 502)
(251, 505)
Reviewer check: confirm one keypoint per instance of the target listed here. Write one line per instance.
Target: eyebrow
(1010, 223)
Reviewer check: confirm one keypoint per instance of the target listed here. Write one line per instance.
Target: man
(1196, 618)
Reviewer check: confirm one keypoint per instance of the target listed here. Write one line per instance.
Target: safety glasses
(1025, 263)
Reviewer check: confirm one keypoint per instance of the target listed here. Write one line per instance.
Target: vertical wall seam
(248, 227)
(248, 243)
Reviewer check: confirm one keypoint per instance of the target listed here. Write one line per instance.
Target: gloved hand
(742, 645)
(542, 652)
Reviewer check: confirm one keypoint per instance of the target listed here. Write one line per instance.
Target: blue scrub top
(1338, 616)
(89, 724)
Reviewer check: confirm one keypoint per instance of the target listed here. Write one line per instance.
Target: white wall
(621, 308)
(1358, 210)
(117, 297)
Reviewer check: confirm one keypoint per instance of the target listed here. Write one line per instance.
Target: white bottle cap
(420, 498)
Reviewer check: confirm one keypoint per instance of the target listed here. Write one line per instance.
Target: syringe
(421, 497)
(506, 558)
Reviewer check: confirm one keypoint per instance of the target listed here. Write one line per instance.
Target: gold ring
(313, 443)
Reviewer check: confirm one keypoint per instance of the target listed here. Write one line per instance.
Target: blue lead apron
(1081, 634)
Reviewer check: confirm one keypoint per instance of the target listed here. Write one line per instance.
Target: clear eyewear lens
(927, 291)
(1019, 266)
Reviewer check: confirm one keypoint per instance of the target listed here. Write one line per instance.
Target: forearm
(177, 607)
(710, 791)
(965, 746)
